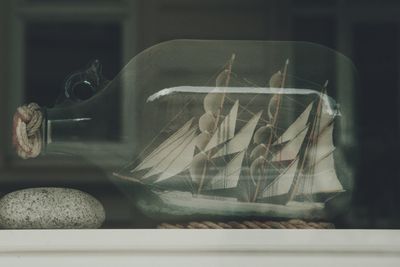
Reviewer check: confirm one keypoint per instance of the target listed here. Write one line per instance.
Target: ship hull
(178, 205)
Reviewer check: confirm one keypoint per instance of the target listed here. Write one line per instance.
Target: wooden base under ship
(213, 166)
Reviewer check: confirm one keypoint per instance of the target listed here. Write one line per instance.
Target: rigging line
(178, 138)
(248, 82)
(224, 170)
(241, 120)
(251, 100)
(222, 145)
(305, 80)
(280, 175)
(244, 108)
(244, 81)
(214, 164)
(224, 131)
(252, 113)
(225, 174)
(290, 98)
(232, 172)
(301, 104)
(322, 158)
(284, 144)
(173, 160)
(310, 168)
(272, 165)
(287, 75)
(285, 95)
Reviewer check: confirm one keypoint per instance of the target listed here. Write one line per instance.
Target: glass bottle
(211, 92)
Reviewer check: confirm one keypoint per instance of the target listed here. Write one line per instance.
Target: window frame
(23, 11)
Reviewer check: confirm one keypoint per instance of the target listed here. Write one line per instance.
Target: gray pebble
(50, 208)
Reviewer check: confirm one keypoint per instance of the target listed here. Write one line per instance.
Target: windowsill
(199, 247)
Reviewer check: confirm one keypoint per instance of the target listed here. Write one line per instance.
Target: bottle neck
(77, 130)
(73, 129)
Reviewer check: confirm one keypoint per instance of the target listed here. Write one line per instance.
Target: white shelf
(200, 248)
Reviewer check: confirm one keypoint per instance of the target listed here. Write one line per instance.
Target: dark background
(41, 42)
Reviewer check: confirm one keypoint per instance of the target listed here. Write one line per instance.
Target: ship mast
(277, 80)
(312, 140)
(213, 104)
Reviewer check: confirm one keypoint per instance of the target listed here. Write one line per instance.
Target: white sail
(325, 120)
(296, 127)
(166, 148)
(228, 177)
(322, 179)
(281, 185)
(241, 140)
(323, 146)
(202, 140)
(176, 156)
(320, 175)
(226, 129)
(325, 178)
(291, 149)
(180, 163)
(213, 102)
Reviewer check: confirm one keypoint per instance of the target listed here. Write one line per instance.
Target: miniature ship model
(212, 166)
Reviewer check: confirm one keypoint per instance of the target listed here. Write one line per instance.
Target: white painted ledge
(200, 248)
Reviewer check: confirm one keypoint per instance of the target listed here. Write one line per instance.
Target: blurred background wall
(42, 41)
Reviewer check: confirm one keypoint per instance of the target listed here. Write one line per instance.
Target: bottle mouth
(27, 131)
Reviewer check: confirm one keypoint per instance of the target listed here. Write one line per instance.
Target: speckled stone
(50, 208)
